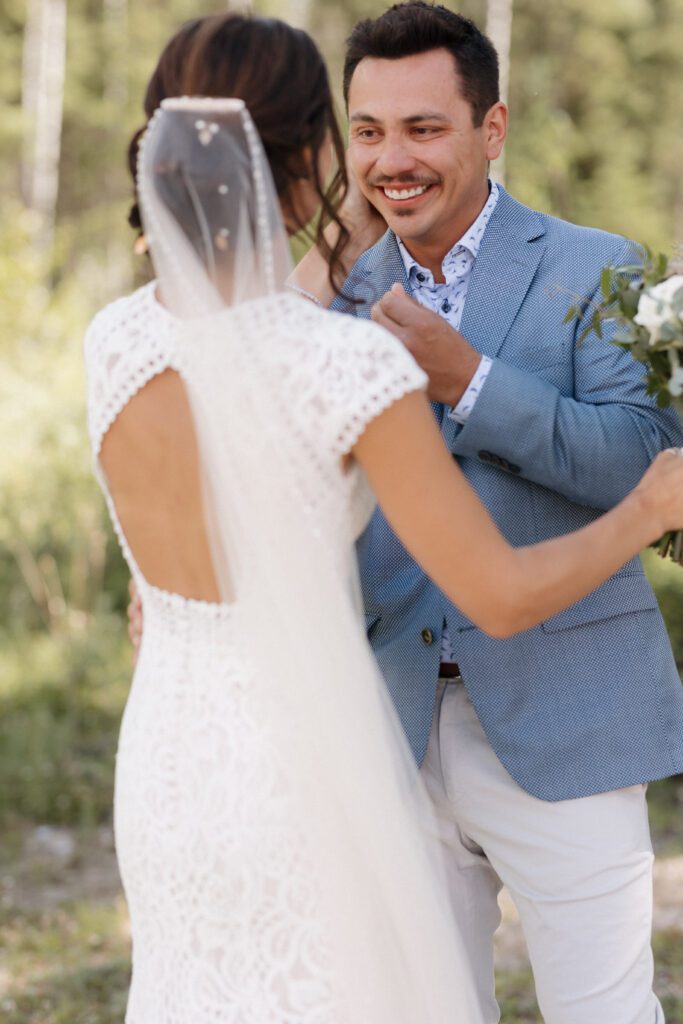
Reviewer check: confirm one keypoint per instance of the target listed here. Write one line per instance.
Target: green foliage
(650, 328)
(667, 579)
(595, 113)
(622, 289)
(61, 697)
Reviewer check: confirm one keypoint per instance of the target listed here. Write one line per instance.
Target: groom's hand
(135, 622)
(446, 357)
(364, 223)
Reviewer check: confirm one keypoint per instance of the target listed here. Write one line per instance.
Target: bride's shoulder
(126, 344)
(337, 333)
(137, 316)
(345, 370)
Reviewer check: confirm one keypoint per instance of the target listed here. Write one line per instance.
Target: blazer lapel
(511, 250)
(376, 271)
(374, 275)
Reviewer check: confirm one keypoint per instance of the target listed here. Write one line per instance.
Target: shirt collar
(470, 241)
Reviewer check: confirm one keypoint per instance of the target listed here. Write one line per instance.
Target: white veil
(217, 241)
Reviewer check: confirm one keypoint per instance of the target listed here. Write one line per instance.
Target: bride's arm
(441, 520)
(365, 227)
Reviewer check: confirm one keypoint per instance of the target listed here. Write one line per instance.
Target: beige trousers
(579, 872)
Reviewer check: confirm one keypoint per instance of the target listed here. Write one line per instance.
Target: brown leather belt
(449, 670)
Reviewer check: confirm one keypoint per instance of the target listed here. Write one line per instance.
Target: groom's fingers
(381, 318)
(399, 307)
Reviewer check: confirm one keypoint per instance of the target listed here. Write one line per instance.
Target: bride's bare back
(150, 459)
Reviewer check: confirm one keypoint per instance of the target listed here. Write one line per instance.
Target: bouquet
(645, 301)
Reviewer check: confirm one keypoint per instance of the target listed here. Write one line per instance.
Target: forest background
(596, 137)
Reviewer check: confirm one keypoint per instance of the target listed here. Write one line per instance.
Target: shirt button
(427, 636)
(445, 307)
(421, 277)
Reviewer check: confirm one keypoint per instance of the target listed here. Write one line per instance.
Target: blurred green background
(596, 137)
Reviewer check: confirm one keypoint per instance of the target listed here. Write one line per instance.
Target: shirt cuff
(466, 404)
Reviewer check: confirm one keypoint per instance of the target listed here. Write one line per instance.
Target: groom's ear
(495, 126)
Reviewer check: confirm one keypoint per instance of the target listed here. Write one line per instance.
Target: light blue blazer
(590, 700)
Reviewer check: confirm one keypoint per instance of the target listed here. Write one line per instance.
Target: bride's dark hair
(279, 73)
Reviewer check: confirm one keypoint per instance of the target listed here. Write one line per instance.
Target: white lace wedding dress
(227, 900)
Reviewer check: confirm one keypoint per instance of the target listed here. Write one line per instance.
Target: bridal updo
(165, 81)
(279, 73)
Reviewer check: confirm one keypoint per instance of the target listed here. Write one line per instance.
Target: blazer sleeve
(593, 446)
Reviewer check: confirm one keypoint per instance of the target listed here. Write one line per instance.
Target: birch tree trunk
(44, 60)
(499, 31)
(117, 265)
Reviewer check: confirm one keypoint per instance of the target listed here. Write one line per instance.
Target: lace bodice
(342, 371)
(332, 373)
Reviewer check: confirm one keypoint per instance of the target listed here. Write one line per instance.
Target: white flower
(676, 383)
(656, 306)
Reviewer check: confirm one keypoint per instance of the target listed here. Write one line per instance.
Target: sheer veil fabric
(221, 255)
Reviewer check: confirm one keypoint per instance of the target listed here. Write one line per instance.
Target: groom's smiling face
(415, 150)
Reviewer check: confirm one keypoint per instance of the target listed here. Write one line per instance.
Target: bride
(274, 842)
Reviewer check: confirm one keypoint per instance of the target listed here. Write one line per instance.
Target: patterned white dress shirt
(448, 301)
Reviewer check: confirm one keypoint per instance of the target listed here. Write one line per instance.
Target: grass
(668, 947)
(61, 698)
(65, 966)
(71, 966)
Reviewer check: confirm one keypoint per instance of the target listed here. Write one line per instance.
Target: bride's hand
(661, 492)
(365, 225)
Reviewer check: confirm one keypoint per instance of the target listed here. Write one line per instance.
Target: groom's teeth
(405, 193)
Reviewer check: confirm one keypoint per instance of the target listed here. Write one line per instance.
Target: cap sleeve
(127, 343)
(371, 370)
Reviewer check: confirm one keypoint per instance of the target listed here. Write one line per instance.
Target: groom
(536, 749)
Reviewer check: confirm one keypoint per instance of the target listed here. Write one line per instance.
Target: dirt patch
(58, 866)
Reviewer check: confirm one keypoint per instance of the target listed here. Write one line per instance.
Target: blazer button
(427, 636)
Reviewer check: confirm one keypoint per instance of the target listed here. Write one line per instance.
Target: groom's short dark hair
(417, 27)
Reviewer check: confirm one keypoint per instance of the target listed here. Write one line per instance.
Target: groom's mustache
(402, 179)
